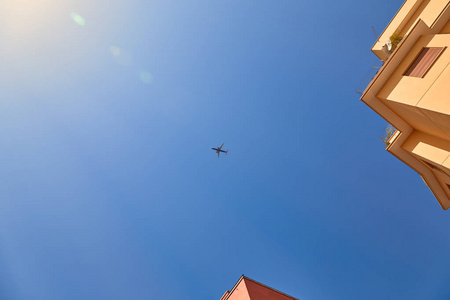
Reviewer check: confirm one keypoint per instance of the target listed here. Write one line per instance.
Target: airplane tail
(226, 152)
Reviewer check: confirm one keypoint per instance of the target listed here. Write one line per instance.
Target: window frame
(415, 62)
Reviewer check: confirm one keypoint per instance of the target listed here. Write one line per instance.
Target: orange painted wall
(410, 12)
(446, 29)
(422, 101)
(418, 107)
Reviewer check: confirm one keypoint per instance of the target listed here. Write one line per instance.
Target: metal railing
(371, 73)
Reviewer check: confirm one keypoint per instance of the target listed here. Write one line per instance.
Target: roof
(255, 291)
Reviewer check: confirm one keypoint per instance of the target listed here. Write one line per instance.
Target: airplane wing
(218, 153)
(221, 146)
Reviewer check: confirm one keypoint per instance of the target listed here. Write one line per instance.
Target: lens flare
(77, 19)
(114, 50)
(121, 56)
(146, 77)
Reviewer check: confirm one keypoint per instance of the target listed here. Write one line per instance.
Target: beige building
(412, 90)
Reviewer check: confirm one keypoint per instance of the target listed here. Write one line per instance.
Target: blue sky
(109, 187)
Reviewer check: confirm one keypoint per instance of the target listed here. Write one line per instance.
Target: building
(412, 90)
(249, 289)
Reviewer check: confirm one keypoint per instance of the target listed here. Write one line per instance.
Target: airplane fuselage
(218, 150)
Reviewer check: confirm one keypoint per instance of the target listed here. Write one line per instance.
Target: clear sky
(110, 190)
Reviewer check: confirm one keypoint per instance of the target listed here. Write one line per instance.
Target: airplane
(218, 150)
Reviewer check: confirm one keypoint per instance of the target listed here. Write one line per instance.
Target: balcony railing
(388, 49)
(367, 78)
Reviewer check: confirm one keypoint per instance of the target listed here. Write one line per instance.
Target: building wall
(429, 148)
(417, 14)
(428, 11)
(240, 292)
(422, 102)
(446, 28)
(405, 19)
(418, 107)
(432, 150)
(401, 18)
(410, 90)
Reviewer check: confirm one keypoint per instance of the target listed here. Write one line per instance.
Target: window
(423, 62)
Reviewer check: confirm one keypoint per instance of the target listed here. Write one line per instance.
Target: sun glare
(24, 15)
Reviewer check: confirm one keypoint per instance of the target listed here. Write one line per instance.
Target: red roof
(249, 289)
